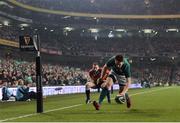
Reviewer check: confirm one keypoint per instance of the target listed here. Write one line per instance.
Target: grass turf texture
(155, 104)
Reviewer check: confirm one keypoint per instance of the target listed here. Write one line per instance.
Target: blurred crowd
(161, 75)
(9, 33)
(13, 72)
(166, 45)
(177, 76)
(73, 44)
(94, 47)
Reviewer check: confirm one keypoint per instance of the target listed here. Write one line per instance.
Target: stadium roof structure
(114, 9)
(63, 20)
(98, 13)
(92, 17)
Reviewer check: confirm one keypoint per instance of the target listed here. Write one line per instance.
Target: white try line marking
(28, 115)
(72, 106)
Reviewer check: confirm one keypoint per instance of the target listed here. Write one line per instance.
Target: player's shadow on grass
(133, 111)
(145, 113)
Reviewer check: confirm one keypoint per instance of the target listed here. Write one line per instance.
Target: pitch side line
(143, 92)
(149, 91)
(72, 106)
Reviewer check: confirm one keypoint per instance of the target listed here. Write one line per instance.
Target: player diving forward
(120, 72)
(94, 74)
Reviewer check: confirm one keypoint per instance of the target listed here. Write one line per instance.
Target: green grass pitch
(149, 105)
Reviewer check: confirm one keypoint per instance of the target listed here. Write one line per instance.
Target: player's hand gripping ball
(120, 99)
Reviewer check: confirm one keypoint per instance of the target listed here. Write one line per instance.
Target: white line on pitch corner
(72, 106)
(150, 91)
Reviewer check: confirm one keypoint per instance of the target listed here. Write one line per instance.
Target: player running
(94, 74)
(120, 72)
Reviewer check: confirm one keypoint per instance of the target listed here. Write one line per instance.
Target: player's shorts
(120, 79)
(96, 85)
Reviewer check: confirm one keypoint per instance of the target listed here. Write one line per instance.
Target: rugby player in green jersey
(119, 72)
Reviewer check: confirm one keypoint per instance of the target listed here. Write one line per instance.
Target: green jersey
(124, 70)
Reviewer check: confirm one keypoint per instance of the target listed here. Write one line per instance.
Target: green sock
(126, 96)
(103, 95)
(108, 96)
(87, 94)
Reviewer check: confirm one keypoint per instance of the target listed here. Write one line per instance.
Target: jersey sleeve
(110, 62)
(94, 75)
(127, 71)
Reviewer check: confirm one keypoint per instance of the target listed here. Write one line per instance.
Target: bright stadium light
(6, 23)
(94, 30)
(68, 29)
(172, 30)
(24, 25)
(147, 31)
(120, 30)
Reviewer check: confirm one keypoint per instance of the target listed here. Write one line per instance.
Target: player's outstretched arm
(128, 83)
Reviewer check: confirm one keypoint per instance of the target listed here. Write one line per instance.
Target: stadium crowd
(13, 72)
(89, 46)
(166, 45)
(154, 75)
(9, 33)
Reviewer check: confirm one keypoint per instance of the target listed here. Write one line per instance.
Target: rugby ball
(120, 99)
